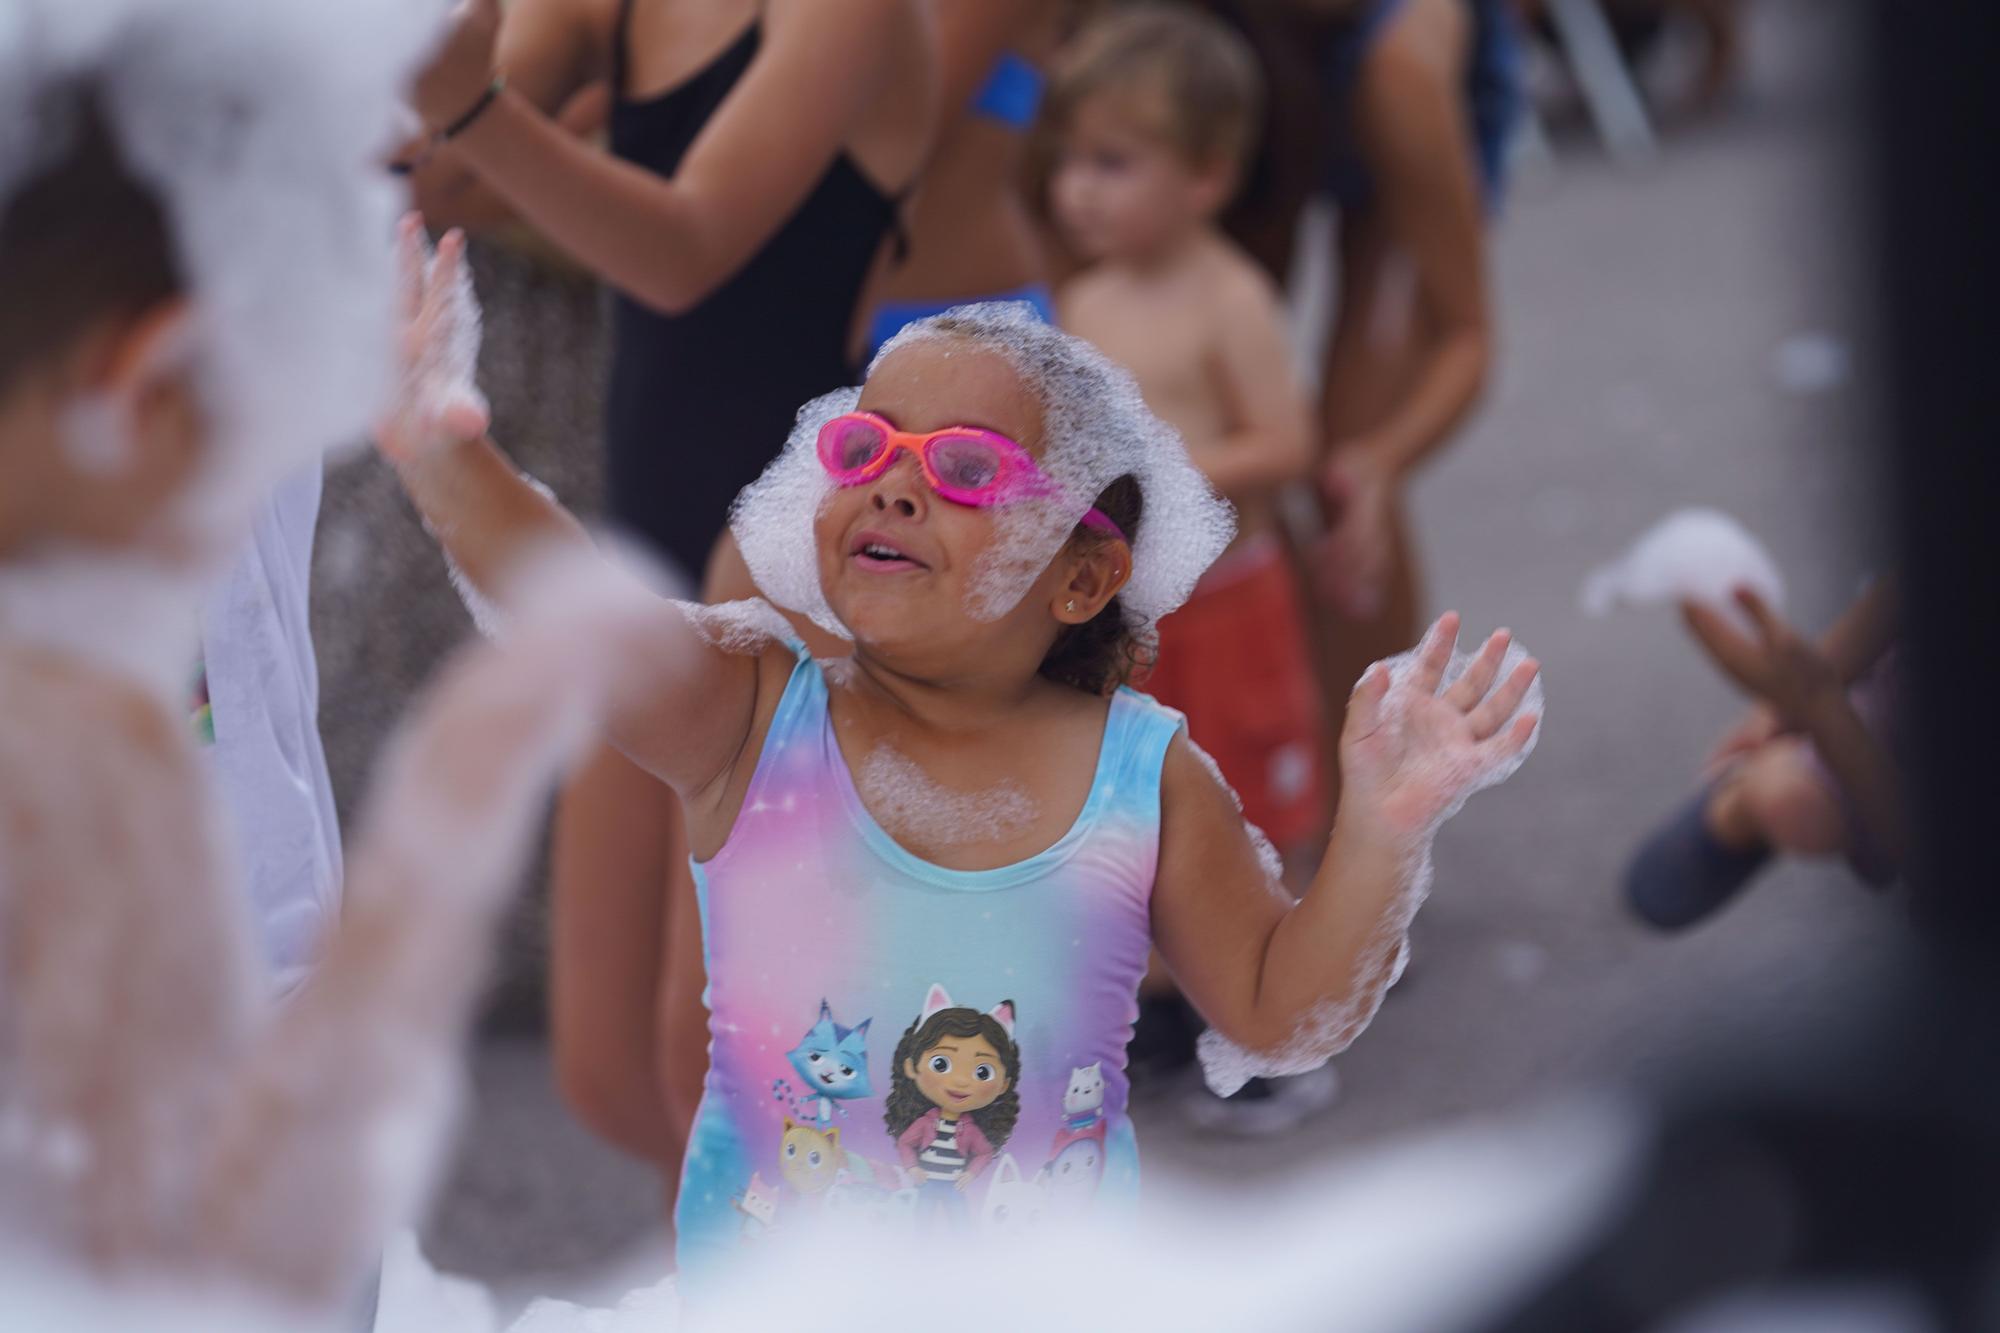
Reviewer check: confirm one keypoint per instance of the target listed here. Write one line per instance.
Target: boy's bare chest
(1169, 348)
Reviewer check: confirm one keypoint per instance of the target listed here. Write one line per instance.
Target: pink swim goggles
(964, 464)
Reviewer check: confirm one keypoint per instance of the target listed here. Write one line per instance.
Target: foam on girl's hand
(1696, 555)
(1332, 1026)
(1269, 862)
(1096, 428)
(438, 399)
(1483, 769)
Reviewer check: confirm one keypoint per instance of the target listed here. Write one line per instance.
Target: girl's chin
(885, 614)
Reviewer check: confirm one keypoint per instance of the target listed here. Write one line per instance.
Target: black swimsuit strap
(620, 39)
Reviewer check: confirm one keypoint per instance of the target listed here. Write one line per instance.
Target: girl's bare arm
(1301, 981)
(682, 706)
(193, 1128)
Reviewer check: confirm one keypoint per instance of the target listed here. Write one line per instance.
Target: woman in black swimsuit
(758, 153)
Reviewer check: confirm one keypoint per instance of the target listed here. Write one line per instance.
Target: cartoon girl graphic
(952, 1099)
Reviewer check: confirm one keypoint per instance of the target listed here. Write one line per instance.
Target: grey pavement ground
(1642, 313)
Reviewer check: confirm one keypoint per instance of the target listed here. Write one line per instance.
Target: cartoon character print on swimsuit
(759, 1205)
(953, 1100)
(810, 1159)
(832, 1064)
(812, 901)
(824, 1173)
(1075, 1167)
(1015, 1205)
(1083, 1099)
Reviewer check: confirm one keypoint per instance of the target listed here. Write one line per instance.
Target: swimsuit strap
(1012, 93)
(620, 39)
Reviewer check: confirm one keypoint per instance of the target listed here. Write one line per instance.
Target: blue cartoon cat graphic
(832, 1061)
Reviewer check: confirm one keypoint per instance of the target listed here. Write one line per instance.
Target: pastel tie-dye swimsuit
(829, 946)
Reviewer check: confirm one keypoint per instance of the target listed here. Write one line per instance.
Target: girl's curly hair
(906, 1102)
(1103, 652)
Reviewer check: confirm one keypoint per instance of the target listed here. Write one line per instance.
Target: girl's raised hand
(438, 402)
(1415, 745)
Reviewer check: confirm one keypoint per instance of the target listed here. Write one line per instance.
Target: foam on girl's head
(1096, 429)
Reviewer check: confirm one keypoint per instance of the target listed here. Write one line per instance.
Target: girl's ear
(134, 405)
(151, 344)
(1098, 573)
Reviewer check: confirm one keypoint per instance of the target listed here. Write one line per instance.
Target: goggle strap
(1100, 520)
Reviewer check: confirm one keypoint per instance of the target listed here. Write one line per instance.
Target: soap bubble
(1699, 555)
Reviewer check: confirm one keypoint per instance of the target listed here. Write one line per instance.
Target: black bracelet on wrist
(475, 111)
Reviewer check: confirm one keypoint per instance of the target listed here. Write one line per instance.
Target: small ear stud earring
(1070, 605)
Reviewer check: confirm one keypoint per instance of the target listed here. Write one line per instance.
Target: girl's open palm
(438, 401)
(1417, 742)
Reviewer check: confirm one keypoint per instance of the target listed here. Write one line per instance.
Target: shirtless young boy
(1155, 113)
(1157, 110)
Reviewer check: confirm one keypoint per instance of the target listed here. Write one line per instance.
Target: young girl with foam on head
(995, 520)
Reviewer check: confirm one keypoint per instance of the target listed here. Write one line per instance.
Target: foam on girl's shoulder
(747, 627)
(1268, 860)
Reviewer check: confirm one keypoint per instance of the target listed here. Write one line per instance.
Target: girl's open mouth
(873, 551)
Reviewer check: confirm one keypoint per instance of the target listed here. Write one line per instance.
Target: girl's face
(959, 1075)
(915, 605)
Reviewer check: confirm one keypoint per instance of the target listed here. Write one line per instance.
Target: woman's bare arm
(1411, 119)
(549, 51)
(669, 242)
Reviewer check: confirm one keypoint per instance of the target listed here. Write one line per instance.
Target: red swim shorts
(1234, 660)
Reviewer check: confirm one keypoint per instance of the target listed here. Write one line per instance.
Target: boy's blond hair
(1212, 86)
